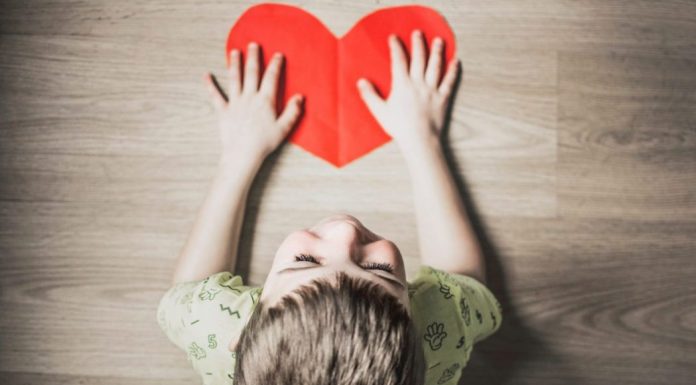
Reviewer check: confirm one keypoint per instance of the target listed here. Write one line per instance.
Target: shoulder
(219, 287)
(438, 286)
(451, 312)
(202, 317)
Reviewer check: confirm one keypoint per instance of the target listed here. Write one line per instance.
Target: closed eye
(306, 258)
(309, 258)
(367, 266)
(378, 266)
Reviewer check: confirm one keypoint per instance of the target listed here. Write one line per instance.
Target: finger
(235, 82)
(417, 55)
(215, 94)
(432, 73)
(445, 88)
(251, 69)
(370, 96)
(269, 83)
(397, 57)
(289, 116)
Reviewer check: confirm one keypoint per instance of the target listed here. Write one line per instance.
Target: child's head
(333, 322)
(338, 243)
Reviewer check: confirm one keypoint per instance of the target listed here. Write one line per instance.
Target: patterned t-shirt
(451, 312)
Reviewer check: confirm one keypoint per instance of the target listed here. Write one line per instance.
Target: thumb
(370, 96)
(289, 116)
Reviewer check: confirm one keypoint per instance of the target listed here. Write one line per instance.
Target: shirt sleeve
(451, 312)
(201, 317)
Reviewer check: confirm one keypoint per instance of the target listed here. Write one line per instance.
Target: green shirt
(452, 312)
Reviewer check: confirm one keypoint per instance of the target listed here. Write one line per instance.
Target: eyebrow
(291, 269)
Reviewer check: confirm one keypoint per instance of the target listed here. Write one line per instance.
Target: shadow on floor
(496, 360)
(246, 238)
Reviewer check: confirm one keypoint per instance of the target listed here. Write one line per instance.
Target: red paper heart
(336, 125)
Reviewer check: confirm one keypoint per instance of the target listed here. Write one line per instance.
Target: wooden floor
(574, 133)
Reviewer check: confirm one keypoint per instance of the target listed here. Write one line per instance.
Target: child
(336, 307)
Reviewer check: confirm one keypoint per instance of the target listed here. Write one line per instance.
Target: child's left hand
(249, 127)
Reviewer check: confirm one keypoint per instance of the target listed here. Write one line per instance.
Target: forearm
(212, 244)
(446, 237)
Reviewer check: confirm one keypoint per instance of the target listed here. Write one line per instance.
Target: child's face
(338, 243)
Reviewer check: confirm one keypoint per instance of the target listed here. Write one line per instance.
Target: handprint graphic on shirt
(435, 334)
(208, 294)
(446, 290)
(448, 374)
(196, 351)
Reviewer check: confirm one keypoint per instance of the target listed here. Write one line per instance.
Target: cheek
(295, 243)
(387, 249)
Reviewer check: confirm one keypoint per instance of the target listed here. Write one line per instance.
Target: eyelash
(370, 265)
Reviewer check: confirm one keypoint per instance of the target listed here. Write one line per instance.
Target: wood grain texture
(572, 135)
(634, 153)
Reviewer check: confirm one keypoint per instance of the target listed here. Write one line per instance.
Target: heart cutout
(335, 125)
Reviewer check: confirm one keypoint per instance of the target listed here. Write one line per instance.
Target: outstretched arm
(249, 130)
(413, 115)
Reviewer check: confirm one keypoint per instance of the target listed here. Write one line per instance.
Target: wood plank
(627, 136)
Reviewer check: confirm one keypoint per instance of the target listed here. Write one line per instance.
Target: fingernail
(253, 45)
(437, 41)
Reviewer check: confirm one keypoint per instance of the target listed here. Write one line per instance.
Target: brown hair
(351, 332)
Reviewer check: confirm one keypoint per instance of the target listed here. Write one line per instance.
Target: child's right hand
(415, 110)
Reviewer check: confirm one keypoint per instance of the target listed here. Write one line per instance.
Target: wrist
(239, 166)
(417, 148)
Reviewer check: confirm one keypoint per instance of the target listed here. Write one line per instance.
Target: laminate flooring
(573, 136)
